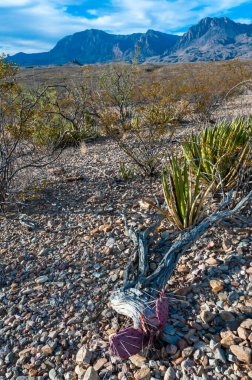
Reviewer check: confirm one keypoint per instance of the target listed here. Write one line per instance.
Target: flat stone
(187, 352)
(138, 360)
(227, 316)
(100, 364)
(79, 370)
(216, 285)
(247, 324)
(170, 374)
(206, 316)
(91, 374)
(243, 333)
(228, 339)
(220, 355)
(41, 279)
(53, 374)
(244, 354)
(110, 242)
(223, 296)
(47, 350)
(187, 364)
(83, 356)
(143, 374)
(212, 261)
(171, 349)
(26, 351)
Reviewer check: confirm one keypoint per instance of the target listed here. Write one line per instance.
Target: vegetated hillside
(211, 39)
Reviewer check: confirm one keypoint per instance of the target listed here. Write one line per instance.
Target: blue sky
(36, 25)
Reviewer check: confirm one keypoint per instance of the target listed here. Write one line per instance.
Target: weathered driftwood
(135, 298)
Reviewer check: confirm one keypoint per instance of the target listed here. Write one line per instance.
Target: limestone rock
(243, 333)
(170, 374)
(216, 285)
(247, 324)
(99, 364)
(83, 355)
(47, 350)
(244, 354)
(211, 261)
(228, 339)
(206, 316)
(138, 360)
(91, 374)
(143, 374)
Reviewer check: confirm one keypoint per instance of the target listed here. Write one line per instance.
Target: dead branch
(136, 294)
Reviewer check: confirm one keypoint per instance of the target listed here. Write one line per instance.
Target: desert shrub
(19, 111)
(185, 195)
(221, 152)
(55, 118)
(140, 119)
(203, 86)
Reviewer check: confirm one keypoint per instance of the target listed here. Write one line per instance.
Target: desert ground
(63, 250)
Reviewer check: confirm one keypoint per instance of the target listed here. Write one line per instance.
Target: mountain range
(212, 39)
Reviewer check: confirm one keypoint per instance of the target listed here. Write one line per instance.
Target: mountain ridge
(210, 39)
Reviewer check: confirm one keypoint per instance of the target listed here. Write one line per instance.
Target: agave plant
(184, 194)
(221, 152)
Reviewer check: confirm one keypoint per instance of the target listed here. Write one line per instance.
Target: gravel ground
(65, 251)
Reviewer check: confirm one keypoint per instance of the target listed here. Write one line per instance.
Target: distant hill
(210, 40)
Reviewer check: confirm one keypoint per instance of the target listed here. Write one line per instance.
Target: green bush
(221, 152)
(184, 194)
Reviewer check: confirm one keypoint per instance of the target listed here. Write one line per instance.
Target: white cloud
(92, 12)
(14, 3)
(244, 20)
(36, 25)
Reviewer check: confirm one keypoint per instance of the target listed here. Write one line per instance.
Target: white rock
(83, 355)
(42, 279)
(170, 374)
(91, 374)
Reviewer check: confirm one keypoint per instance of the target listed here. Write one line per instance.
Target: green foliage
(184, 194)
(221, 152)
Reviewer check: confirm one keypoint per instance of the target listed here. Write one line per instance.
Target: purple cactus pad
(162, 309)
(127, 342)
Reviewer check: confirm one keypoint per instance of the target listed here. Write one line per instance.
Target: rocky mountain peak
(210, 39)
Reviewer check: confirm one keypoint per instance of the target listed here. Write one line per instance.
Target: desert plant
(139, 118)
(19, 111)
(151, 128)
(185, 196)
(126, 172)
(221, 152)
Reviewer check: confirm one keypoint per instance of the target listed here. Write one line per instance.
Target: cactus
(127, 342)
(162, 309)
(131, 341)
(148, 324)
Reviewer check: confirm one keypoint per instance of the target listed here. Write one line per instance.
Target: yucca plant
(221, 152)
(184, 194)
